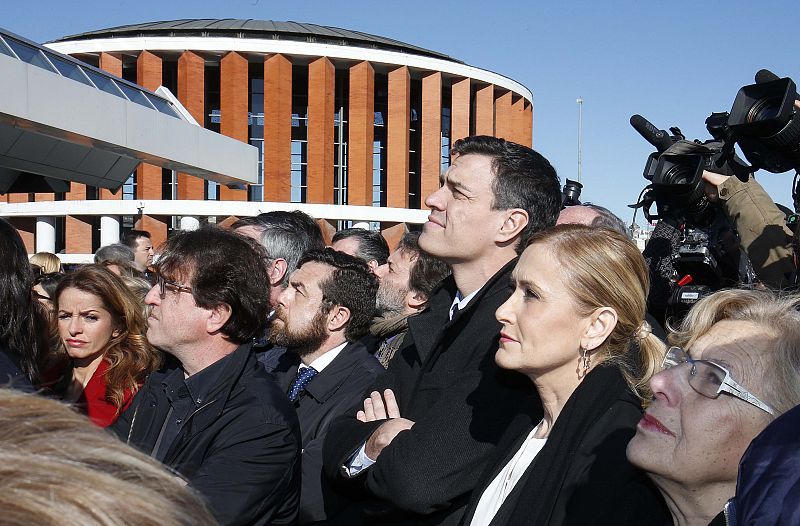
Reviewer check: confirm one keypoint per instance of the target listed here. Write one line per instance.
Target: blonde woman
(575, 327)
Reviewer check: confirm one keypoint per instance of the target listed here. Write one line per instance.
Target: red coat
(93, 402)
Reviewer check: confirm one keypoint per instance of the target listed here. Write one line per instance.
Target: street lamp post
(579, 100)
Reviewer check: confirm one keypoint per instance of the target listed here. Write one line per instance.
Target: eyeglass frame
(165, 284)
(728, 385)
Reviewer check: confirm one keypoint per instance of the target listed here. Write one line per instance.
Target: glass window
(29, 54)
(69, 69)
(104, 83)
(4, 49)
(162, 105)
(134, 95)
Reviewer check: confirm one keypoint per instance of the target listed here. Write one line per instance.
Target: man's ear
(338, 318)
(218, 317)
(372, 264)
(416, 300)
(516, 219)
(601, 324)
(277, 270)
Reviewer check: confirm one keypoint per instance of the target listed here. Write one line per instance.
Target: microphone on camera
(658, 138)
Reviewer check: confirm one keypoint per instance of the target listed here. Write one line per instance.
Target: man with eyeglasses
(217, 419)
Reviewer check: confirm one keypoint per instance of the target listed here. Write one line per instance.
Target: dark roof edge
(250, 28)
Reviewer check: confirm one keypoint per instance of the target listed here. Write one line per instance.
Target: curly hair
(129, 355)
(351, 285)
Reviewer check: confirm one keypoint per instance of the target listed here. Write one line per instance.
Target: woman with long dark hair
(23, 321)
(102, 327)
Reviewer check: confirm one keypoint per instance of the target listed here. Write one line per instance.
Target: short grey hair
(607, 219)
(777, 314)
(114, 253)
(287, 236)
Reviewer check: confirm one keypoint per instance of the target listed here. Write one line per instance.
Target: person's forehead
(402, 257)
(537, 265)
(76, 298)
(142, 242)
(311, 274)
(348, 245)
(473, 171)
(738, 345)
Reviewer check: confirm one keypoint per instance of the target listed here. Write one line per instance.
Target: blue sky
(674, 62)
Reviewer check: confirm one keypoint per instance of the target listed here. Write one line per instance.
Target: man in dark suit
(432, 420)
(217, 418)
(319, 318)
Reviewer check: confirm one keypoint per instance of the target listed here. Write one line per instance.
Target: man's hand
(713, 181)
(378, 407)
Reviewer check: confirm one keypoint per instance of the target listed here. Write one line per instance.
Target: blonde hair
(58, 468)
(46, 261)
(776, 314)
(603, 268)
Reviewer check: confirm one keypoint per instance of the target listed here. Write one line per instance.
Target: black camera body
(766, 124)
(677, 187)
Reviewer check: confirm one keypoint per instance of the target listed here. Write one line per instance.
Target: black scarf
(533, 499)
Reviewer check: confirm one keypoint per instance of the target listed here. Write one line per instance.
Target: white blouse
(494, 495)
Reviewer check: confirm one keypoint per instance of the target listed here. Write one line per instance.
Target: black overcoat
(240, 450)
(331, 393)
(446, 381)
(581, 476)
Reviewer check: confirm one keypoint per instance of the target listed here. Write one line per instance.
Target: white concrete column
(109, 230)
(190, 223)
(46, 234)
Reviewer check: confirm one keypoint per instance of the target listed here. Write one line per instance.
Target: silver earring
(586, 362)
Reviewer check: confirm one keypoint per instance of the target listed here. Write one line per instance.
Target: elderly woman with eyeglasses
(734, 368)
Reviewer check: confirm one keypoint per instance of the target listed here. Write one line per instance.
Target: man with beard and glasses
(319, 318)
(405, 282)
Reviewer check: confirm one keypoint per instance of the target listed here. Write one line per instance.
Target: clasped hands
(378, 407)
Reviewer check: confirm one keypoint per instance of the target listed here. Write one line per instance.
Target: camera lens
(679, 174)
(764, 109)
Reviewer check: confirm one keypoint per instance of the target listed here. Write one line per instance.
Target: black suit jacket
(581, 476)
(446, 381)
(240, 450)
(331, 393)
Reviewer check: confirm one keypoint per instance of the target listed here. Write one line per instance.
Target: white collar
(462, 302)
(323, 361)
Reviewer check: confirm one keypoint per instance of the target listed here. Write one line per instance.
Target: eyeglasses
(710, 379)
(164, 285)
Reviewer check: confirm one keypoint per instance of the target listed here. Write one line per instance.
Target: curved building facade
(339, 117)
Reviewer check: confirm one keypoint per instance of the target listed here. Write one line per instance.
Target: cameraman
(760, 223)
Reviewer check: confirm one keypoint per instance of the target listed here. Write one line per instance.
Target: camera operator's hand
(713, 182)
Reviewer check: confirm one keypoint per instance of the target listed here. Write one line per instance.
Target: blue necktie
(304, 376)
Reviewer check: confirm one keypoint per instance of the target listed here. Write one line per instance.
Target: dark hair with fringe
(523, 179)
(222, 267)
